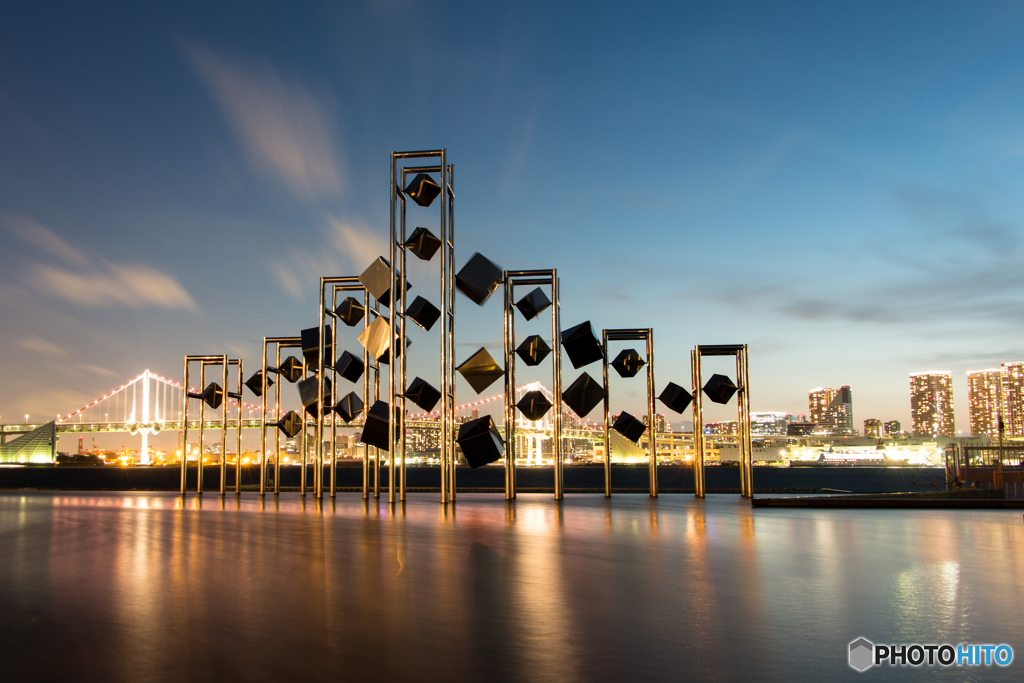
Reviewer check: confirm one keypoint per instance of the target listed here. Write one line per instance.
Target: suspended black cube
(583, 395)
(423, 394)
(423, 313)
(349, 366)
(533, 304)
(675, 397)
(480, 370)
(308, 389)
(479, 278)
(386, 358)
(350, 311)
(255, 383)
(628, 363)
(311, 348)
(423, 243)
(720, 389)
(377, 280)
(533, 350)
(534, 405)
(581, 345)
(375, 430)
(629, 427)
(348, 407)
(423, 190)
(480, 442)
(290, 424)
(212, 395)
(291, 369)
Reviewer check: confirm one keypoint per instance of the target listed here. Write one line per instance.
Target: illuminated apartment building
(892, 428)
(769, 424)
(873, 428)
(983, 401)
(931, 404)
(1011, 378)
(832, 410)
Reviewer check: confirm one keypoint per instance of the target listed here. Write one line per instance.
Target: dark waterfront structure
(156, 587)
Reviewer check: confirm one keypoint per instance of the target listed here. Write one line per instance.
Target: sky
(833, 184)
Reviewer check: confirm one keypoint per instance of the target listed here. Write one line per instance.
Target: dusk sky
(836, 185)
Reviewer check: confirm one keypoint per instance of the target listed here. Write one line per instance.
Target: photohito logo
(864, 654)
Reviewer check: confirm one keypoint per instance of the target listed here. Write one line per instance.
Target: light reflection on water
(152, 587)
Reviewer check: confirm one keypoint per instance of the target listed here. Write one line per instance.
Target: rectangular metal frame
(397, 313)
(203, 360)
(645, 335)
(742, 410)
(279, 343)
(527, 278)
(344, 284)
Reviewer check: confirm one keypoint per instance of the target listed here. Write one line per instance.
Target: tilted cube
(533, 350)
(311, 350)
(308, 389)
(534, 405)
(255, 383)
(375, 429)
(533, 304)
(376, 338)
(290, 424)
(675, 397)
(719, 389)
(350, 311)
(423, 313)
(212, 395)
(628, 363)
(349, 366)
(479, 278)
(423, 190)
(629, 427)
(291, 369)
(480, 442)
(423, 394)
(377, 280)
(348, 407)
(423, 243)
(480, 370)
(386, 358)
(583, 395)
(581, 345)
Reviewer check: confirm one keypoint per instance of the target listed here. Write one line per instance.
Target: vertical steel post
(263, 424)
(651, 422)
(510, 383)
(238, 434)
(184, 429)
(698, 424)
(224, 428)
(607, 432)
(202, 425)
(556, 381)
(277, 415)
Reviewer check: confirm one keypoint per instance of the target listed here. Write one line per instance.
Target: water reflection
(152, 586)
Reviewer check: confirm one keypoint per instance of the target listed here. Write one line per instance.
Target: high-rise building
(983, 401)
(832, 410)
(931, 403)
(1011, 378)
(873, 428)
(768, 424)
(892, 428)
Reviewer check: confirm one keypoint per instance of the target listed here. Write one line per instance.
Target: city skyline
(174, 182)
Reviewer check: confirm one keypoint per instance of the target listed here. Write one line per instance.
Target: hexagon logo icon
(862, 654)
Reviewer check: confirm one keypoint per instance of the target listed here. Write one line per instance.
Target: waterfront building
(1011, 382)
(983, 401)
(723, 428)
(832, 410)
(931, 403)
(769, 424)
(892, 428)
(660, 423)
(873, 428)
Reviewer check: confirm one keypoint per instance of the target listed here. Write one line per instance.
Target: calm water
(140, 587)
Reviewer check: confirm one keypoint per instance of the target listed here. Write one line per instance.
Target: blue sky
(835, 186)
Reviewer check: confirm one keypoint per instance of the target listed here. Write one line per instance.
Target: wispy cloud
(356, 242)
(90, 280)
(284, 128)
(43, 346)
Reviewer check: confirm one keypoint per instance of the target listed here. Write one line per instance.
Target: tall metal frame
(742, 412)
(204, 360)
(531, 278)
(645, 335)
(237, 396)
(343, 284)
(397, 313)
(278, 343)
